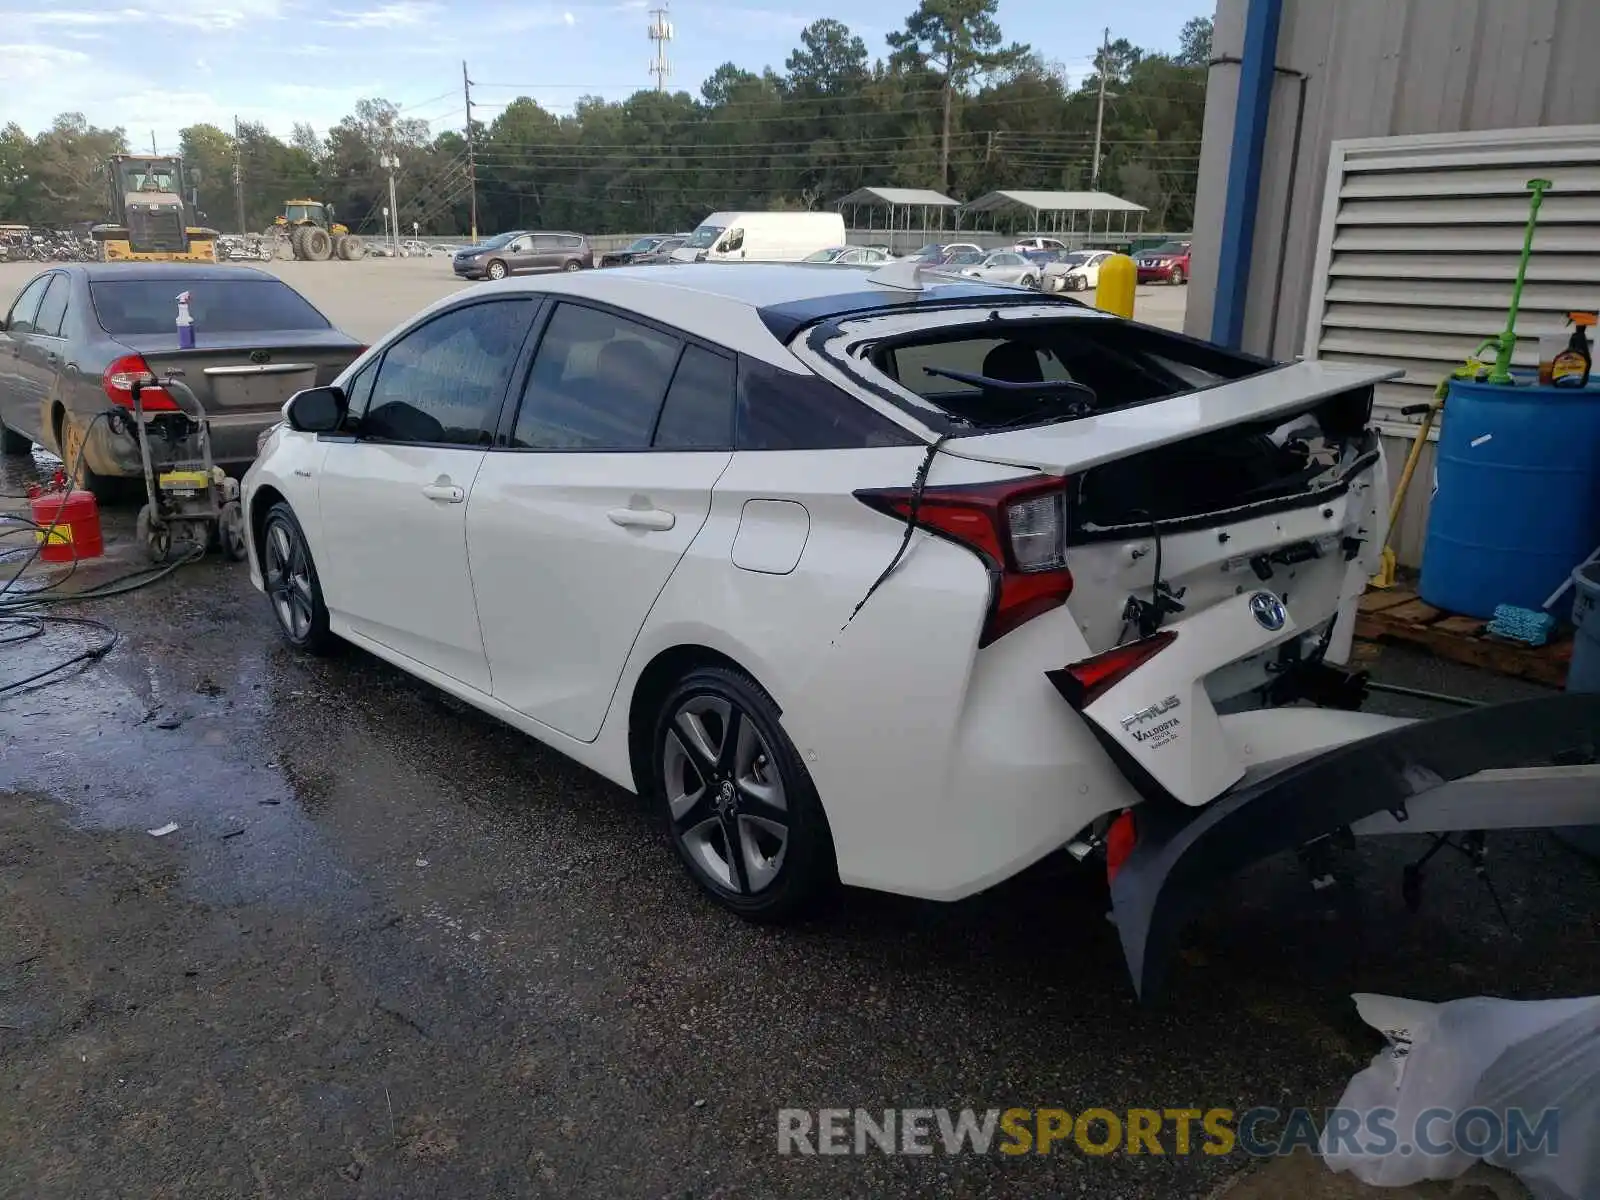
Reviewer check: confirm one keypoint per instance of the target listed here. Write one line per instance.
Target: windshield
(134, 306)
(642, 245)
(498, 240)
(1075, 260)
(963, 258)
(704, 237)
(828, 255)
(1171, 248)
(304, 212)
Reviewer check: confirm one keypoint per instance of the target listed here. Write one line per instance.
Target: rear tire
(496, 270)
(107, 489)
(354, 248)
(12, 442)
(297, 241)
(293, 591)
(318, 244)
(741, 809)
(572, 264)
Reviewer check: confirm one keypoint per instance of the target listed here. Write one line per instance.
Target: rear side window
(782, 410)
(597, 383)
(27, 305)
(54, 309)
(698, 413)
(135, 306)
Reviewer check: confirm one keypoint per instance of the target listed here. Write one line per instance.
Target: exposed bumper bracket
(1526, 764)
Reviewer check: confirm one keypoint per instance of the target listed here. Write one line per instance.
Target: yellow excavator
(306, 230)
(150, 221)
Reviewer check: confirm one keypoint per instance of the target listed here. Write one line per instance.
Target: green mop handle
(1508, 340)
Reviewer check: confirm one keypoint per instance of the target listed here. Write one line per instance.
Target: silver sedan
(1006, 266)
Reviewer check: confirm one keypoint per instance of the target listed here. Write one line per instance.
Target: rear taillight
(1121, 838)
(1018, 528)
(1083, 682)
(118, 380)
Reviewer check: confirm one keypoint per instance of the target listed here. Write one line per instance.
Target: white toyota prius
(895, 579)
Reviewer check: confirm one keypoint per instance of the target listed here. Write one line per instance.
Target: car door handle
(447, 492)
(642, 518)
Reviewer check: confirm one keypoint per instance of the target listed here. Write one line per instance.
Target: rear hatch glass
(144, 306)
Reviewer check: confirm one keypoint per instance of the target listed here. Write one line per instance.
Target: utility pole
(389, 162)
(238, 177)
(472, 162)
(1100, 111)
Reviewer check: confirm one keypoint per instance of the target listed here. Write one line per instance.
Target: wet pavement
(395, 949)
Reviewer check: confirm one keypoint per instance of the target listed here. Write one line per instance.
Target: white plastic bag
(1479, 1053)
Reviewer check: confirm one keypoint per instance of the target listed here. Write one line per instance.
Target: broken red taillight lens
(1018, 528)
(1082, 683)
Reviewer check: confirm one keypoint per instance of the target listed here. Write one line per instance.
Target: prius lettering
(1149, 714)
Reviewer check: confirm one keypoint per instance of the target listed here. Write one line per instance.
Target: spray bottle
(185, 323)
(1570, 366)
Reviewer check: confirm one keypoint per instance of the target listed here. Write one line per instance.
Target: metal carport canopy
(1056, 205)
(900, 198)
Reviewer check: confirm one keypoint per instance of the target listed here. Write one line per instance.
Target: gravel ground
(368, 298)
(395, 949)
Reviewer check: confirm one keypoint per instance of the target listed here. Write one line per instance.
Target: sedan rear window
(136, 306)
(1056, 370)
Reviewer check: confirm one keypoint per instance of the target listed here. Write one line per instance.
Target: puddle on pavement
(124, 746)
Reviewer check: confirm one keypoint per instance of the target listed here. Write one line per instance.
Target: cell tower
(660, 34)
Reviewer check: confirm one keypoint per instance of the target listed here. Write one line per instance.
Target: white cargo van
(761, 237)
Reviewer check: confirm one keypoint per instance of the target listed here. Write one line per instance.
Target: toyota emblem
(260, 356)
(1268, 611)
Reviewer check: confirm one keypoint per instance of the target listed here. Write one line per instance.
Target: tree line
(952, 106)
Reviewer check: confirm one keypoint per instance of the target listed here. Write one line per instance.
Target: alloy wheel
(287, 573)
(725, 794)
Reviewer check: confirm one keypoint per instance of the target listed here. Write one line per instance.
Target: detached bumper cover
(1182, 853)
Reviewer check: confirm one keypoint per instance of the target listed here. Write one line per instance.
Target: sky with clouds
(282, 61)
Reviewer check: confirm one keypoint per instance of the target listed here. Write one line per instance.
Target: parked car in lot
(1004, 266)
(653, 248)
(76, 338)
(936, 254)
(1074, 272)
(761, 236)
(523, 251)
(1165, 264)
(1038, 242)
(851, 256)
(904, 595)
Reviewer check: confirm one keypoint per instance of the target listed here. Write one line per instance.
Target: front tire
(741, 809)
(1176, 279)
(1028, 281)
(496, 270)
(293, 590)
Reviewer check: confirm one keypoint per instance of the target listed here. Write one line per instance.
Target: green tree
(959, 40)
(1194, 43)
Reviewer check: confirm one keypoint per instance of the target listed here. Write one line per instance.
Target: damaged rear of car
(1207, 522)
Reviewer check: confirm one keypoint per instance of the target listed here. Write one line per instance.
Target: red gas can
(72, 519)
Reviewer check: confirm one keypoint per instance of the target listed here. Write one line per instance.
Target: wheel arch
(650, 689)
(260, 505)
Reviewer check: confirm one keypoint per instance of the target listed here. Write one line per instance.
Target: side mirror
(316, 410)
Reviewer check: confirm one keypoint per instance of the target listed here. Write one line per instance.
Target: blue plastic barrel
(1516, 503)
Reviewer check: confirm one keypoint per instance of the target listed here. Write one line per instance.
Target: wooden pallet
(1397, 615)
